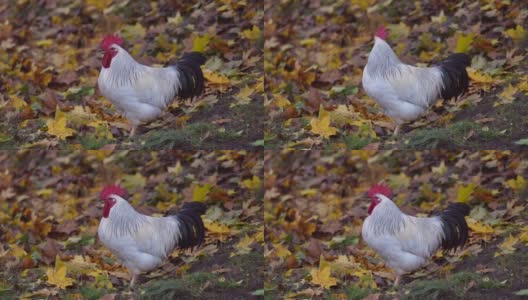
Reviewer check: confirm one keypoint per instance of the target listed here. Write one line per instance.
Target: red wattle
(107, 59)
(370, 209)
(106, 209)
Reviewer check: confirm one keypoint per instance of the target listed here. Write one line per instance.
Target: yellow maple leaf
(259, 235)
(478, 227)
(18, 251)
(517, 184)
(465, 192)
(343, 114)
(215, 78)
(440, 170)
(177, 170)
(281, 251)
(517, 33)
(57, 276)
(280, 100)
(253, 183)
(136, 181)
(441, 18)
(80, 115)
(243, 246)
(176, 20)
(45, 43)
(133, 32)
(321, 276)
(200, 192)
(507, 246)
(18, 102)
(321, 125)
(363, 4)
(252, 34)
(398, 31)
(99, 4)
(523, 86)
(463, 42)
(57, 126)
(478, 77)
(523, 237)
(507, 96)
(201, 42)
(243, 96)
(399, 181)
(309, 42)
(216, 228)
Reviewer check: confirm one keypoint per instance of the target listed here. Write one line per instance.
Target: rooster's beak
(99, 54)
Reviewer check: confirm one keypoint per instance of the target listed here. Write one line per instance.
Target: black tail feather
(191, 76)
(454, 75)
(455, 226)
(192, 227)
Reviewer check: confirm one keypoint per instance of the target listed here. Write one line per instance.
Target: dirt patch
(248, 268)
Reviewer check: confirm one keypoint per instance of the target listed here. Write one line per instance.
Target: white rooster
(141, 92)
(141, 242)
(405, 92)
(405, 242)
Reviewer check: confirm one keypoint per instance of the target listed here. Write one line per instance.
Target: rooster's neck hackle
(123, 71)
(387, 217)
(124, 219)
(381, 59)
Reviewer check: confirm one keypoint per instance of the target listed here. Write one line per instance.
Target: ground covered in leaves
(50, 211)
(315, 204)
(315, 52)
(49, 63)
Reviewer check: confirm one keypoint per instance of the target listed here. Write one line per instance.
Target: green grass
(90, 142)
(189, 286)
(456, 286)
(352, 293)
(6, 291)
(91, 293)
(355, 142)
(193, 135)
(460, 134)
(342, 244)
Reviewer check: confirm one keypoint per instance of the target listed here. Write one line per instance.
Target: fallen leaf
(463, 42)
(321, 125)
(200, 192)
(321, 276)
(57, 276)
(57, 126)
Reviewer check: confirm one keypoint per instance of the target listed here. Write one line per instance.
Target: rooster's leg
(397, 281)
(396, 130)
(133, 131)
(134, 276)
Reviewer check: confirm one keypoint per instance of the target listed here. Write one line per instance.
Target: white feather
(402, 91)
(140, 92)
(141, 242)
(404, 242)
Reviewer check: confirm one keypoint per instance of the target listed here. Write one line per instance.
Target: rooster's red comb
(380, 189)
(110, 40)
(112, 190)
(382, 32)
